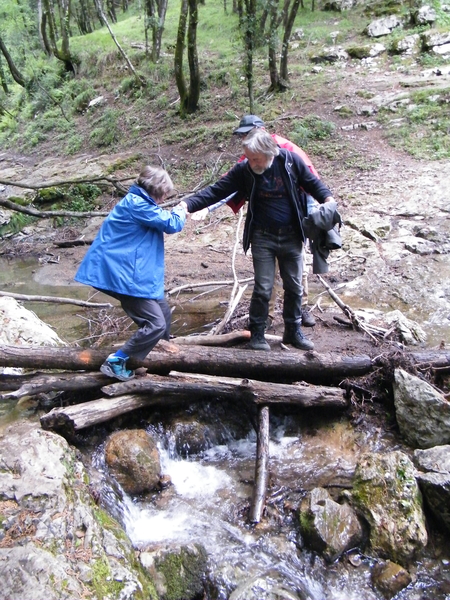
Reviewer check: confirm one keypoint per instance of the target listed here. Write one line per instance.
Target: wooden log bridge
(203, 375)
(277, 366)
(152, 389)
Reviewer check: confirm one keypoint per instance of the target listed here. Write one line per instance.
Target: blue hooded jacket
(127, 256)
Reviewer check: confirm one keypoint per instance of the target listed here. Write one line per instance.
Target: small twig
(237, 292)
(191, 286)
(56, 299)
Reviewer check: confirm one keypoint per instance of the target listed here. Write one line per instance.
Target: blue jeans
(287, 248)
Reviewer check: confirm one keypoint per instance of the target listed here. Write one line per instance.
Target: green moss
(124, 163)
(103, 583)
(306, 520)
(183, 573)
(358, 51)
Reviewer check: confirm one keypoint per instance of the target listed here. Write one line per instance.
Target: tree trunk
(188, 97)
(151, 390)
(248, 24)
(273, 42)
(179, 52)
(194, 73)
(64, 54)
(284, 76)
(16, 75)
(3, 80)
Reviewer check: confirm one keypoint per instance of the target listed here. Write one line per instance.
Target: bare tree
(248, 28)
(48, 24)
(155, 16)
(189, 97)
(16, 75)
(98, 4)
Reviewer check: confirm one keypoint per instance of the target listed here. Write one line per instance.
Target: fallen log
(150, 390)
(43, 383)
(261, 466)
(259, 392)
(70, 419)
(276, 366)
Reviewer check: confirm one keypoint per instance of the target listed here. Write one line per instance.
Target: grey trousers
(153, 317)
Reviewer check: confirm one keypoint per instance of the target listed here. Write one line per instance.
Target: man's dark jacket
(297, 178)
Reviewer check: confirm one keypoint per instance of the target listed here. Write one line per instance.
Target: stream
(208, 500)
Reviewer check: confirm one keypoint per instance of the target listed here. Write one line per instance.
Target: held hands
(200, 215)
(182, 205)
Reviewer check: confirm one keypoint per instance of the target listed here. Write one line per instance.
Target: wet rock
(423, 413)
(56, 543)
(434, 480)
(390, 578)
(328, 527)
(133, 459)
(192, 437)
(409, 331)
(386, 492)
(179, 573)
(21, 327)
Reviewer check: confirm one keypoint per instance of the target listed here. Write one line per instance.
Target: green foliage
(311, 128)
(16, 223)
(106, 130)
(424, 131)
(79, 197)
(73, 144)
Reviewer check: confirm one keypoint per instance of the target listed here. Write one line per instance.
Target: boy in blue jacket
(126, 261)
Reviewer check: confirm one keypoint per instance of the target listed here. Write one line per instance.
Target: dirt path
(396, 213)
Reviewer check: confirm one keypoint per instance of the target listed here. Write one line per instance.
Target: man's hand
(200, 215)
(182, 205)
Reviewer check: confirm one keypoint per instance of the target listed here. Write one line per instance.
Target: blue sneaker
(114, 366)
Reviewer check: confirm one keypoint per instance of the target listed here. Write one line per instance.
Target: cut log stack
(176, 374)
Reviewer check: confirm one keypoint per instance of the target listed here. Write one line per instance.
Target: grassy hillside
(55, 118)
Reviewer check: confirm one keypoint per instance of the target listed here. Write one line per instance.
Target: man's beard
(261, 170)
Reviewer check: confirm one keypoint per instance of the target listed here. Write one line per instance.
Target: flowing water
(208, 504)
(209, 497)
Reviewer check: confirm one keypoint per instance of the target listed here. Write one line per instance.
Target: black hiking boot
(307, 319)
(258, 341)
(293, 335)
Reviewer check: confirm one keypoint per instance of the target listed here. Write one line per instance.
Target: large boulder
(55, 542)
(386, 492)
(21, 327)
(133, 459)
(327, 526)
(423, 413)
(434, 480)
(383, 26)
